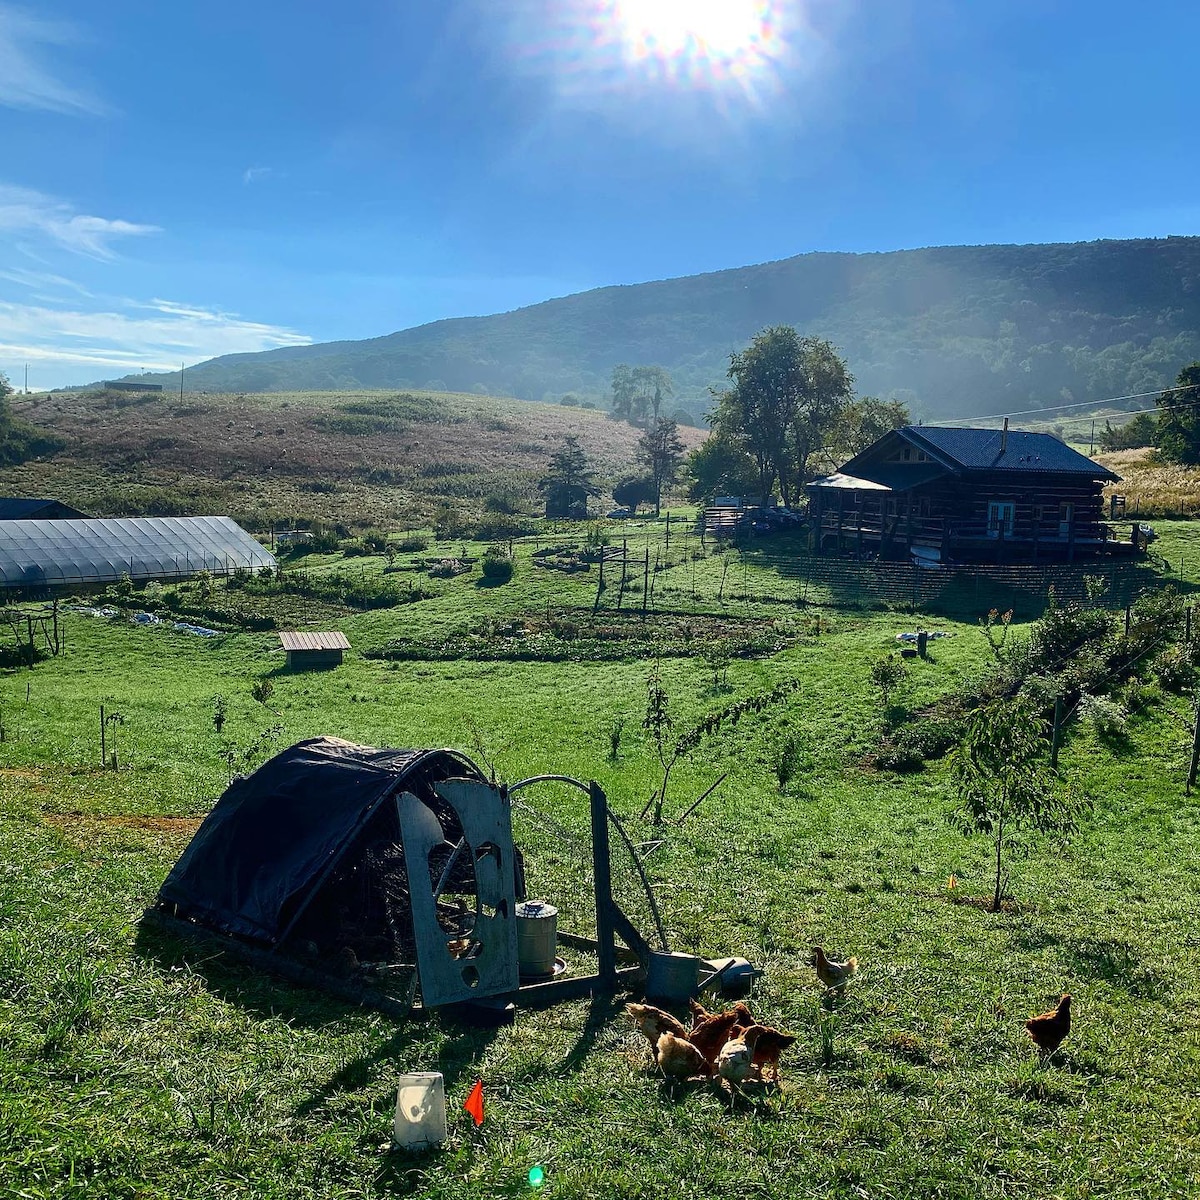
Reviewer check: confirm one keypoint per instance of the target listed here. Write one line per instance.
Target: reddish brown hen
(766, 1045)
(1048, 1029)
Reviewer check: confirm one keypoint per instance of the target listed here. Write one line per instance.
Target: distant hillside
(953, 331)
(353, 458)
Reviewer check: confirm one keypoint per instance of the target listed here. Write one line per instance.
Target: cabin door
(1066, 516)
(1001, 514)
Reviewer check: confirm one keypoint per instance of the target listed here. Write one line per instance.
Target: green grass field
(133, 1067)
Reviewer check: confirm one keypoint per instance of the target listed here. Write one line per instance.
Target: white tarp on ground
(39, 554)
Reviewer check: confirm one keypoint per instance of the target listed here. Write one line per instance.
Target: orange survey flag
(474, 1104)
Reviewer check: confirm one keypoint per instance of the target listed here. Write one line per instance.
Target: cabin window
(923, 506)
(1001, 514)
(1066, 517)
(891, 507)
(907, 454)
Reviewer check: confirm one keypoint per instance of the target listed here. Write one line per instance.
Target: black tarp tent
(303, 824)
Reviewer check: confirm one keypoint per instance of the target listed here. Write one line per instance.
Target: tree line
(1173, 431)
(788, 413)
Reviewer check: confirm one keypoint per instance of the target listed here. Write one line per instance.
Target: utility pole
(1092, 439)
(27, 379)
(181, 383)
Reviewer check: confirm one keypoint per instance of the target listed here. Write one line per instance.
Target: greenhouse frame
(47, 554)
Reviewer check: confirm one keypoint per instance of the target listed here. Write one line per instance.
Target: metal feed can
(537, 937)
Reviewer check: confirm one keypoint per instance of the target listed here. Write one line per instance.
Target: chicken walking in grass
(679, 1059)
(710, 1031)
(833, 975)
(1048, 1029)
(736, 1059)
(653, 1023)
(766, 1045)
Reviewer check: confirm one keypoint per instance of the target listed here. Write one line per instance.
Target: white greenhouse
(47, 554)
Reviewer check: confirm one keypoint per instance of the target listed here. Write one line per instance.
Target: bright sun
(728, 33)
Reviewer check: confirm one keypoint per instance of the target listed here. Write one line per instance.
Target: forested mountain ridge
(952, 331)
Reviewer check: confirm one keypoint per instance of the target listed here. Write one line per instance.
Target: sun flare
(722, 37)
(719, 28)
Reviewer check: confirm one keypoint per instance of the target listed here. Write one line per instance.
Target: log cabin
(935, 494)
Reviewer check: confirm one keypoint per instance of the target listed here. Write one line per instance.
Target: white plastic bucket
(420, 1111)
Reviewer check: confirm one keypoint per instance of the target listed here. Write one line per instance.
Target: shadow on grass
(237, 980)
(1117, 964)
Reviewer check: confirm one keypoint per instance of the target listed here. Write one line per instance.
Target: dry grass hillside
(358, 458)
(1153, 489)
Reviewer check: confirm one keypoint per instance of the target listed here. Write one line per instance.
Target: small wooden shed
(314, 649)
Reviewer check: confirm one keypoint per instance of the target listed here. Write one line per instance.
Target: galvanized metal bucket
(537, 938)
(672, 977)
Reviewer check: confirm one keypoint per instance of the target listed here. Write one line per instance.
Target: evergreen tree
(1179, 418)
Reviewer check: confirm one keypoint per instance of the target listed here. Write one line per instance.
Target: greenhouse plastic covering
(40, 554)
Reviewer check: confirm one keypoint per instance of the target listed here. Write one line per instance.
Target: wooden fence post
(1191, 779)
(1056, 733)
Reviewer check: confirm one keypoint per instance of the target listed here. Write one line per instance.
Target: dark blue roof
(980, 450)
(20, 508)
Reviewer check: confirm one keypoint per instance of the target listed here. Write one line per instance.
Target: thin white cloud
(44, 281)
(26, 80)
(26, 211)
(253, 174)
(70, 343)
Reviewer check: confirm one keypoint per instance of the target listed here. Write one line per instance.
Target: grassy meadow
(131, 1066)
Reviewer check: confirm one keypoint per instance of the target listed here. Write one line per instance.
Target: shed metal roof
(334, 640)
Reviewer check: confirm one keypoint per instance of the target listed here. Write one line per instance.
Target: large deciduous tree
(863, 422)
(638, 393)
(718, 467)
(569, 481)
(1179, 418)
(660, 451)
(788, 393)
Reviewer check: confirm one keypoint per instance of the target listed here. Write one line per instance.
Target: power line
(1079, 404)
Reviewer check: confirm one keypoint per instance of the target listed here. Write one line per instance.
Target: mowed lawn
(131, 1067)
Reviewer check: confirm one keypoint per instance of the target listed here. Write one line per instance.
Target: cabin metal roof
(961, 451)
(995, 450)
(332, 640)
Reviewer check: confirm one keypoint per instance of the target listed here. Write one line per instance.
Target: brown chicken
(834, 975)
(679, 1059)
(653, 1023)
(766, 1045)
(710, 1033)
(1048, 1029)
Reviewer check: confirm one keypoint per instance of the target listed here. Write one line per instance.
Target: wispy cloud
(26, 81)
(24, 211)
(254, 174)
(44, 281)
(70, 345)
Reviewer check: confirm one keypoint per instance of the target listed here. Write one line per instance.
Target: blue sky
(181, 180)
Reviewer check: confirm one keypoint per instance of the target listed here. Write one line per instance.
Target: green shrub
(412, 543)
(375, 541)
(321, 539)
(1173, 670)
(498, 526)
(497, 565)
(1105, 716)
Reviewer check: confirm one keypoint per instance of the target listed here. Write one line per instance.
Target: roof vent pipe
(1004, 436)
